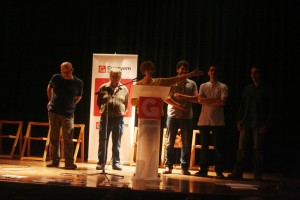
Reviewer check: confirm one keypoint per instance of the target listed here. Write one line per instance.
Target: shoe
(71, 166)
(257, 177)
(53, 164)
(117, 167)
(219, 175)
(235, 176)
(168, 171)
(99, 167)
(201, 174)
(185, 172)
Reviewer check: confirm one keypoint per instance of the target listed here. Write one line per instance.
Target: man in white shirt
(213, 96)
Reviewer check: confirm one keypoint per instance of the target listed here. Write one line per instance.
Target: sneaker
(168, 171)
(99, 167)
(219, 175)
(117, 167)
(71, 166)
(185, 172)
(235, 176)
(201, 174)
(53, 164)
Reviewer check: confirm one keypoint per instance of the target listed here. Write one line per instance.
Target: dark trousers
(218, 140)
(247, 137)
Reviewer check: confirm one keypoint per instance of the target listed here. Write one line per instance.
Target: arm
(175, 104)
(101, 99)
(49, 94)
(79, 94)
(268, 110)
(218, 99)
(134, 101)
(193, 99)
(49, 91)
(177, 79)
(77, 99)
(126, 100)
(211, 101)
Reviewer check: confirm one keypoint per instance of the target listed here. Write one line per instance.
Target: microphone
(136, 78)
(132, 80)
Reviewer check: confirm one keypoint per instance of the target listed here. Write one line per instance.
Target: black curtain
(37, 36)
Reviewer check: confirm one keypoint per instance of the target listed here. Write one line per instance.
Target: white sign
(102, 64)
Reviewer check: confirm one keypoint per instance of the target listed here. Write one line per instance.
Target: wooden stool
(193, 150)
(11, 130)
(36, 131)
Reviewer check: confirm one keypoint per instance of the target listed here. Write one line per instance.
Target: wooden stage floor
(33, 180)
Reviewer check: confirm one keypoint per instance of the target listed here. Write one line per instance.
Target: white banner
(102, 63)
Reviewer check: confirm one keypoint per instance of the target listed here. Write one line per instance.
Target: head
(66, 70)
(256, 74)
(115, 75)
(213, 72)
(147, 67)
(182, 67)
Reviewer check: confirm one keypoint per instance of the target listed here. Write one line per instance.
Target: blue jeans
(57, 121)
(186, 126)
(115, 125)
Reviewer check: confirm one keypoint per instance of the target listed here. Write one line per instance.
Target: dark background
(37, 36)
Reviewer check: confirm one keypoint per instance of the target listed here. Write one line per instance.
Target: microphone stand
(132, 81)
(106, 135)
(106, 144)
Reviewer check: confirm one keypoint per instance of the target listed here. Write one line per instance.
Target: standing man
(254, 120)
(112, 101)
(147, 68)
(180, 116)
(213, 96)
(64, 92)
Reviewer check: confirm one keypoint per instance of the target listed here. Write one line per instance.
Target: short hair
(212, 65)
(257, 67)
(115, 71)
(217, 70)
(147, 65)
(67, 65)
(183, 63)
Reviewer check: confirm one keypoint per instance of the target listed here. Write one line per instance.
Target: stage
(33, 180)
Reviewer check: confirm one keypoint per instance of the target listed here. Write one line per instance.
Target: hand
(183, 108)
(177, 96)
(197, 72)
(239, 126)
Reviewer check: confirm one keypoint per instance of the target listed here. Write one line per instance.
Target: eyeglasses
(67, 73)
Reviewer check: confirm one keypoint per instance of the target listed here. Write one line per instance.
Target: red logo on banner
(97, 125)
(102, 69)
(150, 108)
